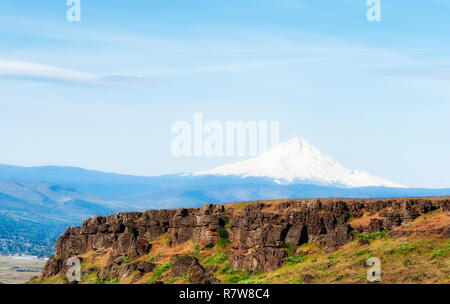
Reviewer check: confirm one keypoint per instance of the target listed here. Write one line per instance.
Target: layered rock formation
(258, 233)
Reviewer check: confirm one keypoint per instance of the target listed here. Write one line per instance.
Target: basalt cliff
(216, 243)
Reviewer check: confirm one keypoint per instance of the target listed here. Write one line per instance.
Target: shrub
(437, 254)
(223, 241)
(287, 246)
(241, 277)
(292, 260)
(363, 252)
(196, 254)
(223, 233)
(161, 269)
(115, 281)
(334, 256)
(153, 258)
(371, 236)
(126, 260)
(405, 249)
(227, 270)
(107, 280)
(217, 258)
(158, 272)
(227, 223)
(237, 279)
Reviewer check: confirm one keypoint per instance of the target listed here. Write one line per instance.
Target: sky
(104, 92)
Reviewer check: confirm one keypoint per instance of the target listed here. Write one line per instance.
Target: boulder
(139, 248)
(262, 260)
(375, 225)
(53, 266)
(186, 265)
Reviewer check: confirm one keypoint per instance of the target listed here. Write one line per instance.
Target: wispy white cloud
(47, 73)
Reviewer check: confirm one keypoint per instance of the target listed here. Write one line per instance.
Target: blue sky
(103, 93)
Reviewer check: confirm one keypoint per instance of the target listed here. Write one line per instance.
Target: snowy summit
(297, 161)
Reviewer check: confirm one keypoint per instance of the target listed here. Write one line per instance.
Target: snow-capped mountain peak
(298, 161)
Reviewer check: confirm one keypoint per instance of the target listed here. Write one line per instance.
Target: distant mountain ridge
(38, 203)
(33, 212)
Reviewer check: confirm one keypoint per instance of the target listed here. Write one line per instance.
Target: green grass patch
(217, 258)
(438, 253)
(363, 252)
(334, 256)
(95, 281)
(287, 246)
(227, 270)
(107, 280)
(92, 278)
(49, 281)
(405, 249)
(363, 261)
(162, 269)
(223, 233)
(223, 241)
(227, 223)
(159, 271)
(126, 260)
(197, 253)
(242, 277)
(237, 279)
(155, 257)
(371, 236)
(292, 260)
(253, 281)
(114, 281)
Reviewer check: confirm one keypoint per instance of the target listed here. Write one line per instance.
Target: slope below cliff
(281, 241)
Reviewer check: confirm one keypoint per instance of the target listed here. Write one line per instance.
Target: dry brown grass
(427, 224)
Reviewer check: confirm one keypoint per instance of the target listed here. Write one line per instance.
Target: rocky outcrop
(259, 234)
(260, 260)
(117, 268)
(53, 266)
(142, 267)
(190, 267)
(209, 220)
